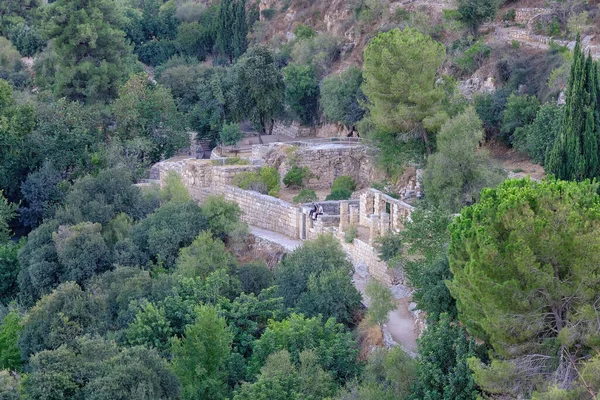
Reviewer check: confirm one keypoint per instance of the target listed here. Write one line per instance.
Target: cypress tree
(224, 30)
(575, 152)
(240, 29)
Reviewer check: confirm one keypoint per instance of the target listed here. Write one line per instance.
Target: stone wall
(202, 178)
(524, 15)
(326, 161)
(264, 211)
(363, 255)
(294, 130)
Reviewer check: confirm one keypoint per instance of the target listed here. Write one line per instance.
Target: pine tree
(575, 152)
(93, 59)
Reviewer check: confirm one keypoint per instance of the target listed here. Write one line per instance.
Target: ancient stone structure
(374, 213)
(327, 160)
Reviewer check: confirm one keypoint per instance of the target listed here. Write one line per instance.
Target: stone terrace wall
(363, 255)
(203, 178)
(264, 211)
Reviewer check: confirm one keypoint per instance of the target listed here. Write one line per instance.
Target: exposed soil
(516, 162)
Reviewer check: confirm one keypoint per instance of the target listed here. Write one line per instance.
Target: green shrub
(265, 181)
(510, 15)
(452, 15)
(304, 32)
(339, 194)
(295, 176)
(473, 57)
(305, 196)
(236, 161)
(351, 234)
(268, 13)
(231, 134)
(343, 182)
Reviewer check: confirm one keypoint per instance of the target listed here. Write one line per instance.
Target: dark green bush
(295, 176)
(268, 13)
(339, 194)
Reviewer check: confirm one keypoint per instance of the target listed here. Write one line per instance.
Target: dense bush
(265, 181)
(344, 182)
(339, 194)
(305, 196)
(296, 176)
(473, 57)
(537, 138)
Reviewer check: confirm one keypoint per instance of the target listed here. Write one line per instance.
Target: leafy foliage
(199, 358)
(537, 138)
(342, 97)
(302, 92)
(10, 354)
(459, 170)
(296, 176)
(305, 196)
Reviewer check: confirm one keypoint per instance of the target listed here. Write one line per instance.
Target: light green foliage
(9, 271)
(59, 318)
(520, 258)
(335, 348)
(10, 354)
(204, 256)
(520, 111)
(537, 138)
(388, 375)
(199, 358)
(9, 386)
(8, 211)
(574, 155)
(421, 249)
(476, 12)
(351, 234)
(281, 380)
(381, 302)
(231, 134)
(302, 92)
(459, 170)
(443, 372)
(173, 189)
(146, 110)
(577, 24)
(302, 31)
(296, 176)
(11, 67)
(305, 196)
(150, 328)
(173, 226)
(93, 58)
(223, 216)
(249, 315)
(318, 276)
(342, 97)
(344, 182)
(473, 57)
(259, 88)
(319, 51)
(400, 73)
(96, 369)
(265, 181)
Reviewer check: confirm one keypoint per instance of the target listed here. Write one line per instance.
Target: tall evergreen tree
(575, 152)
(232, 29)
(240, 29)
(93, 59)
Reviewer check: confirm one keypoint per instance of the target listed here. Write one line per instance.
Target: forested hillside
(110, 289)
